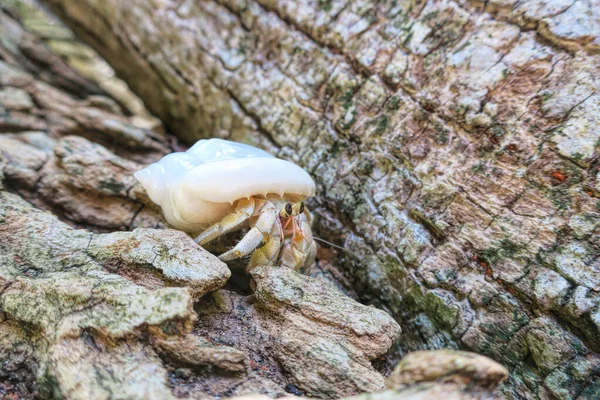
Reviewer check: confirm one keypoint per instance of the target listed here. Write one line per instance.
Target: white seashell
(199, 186)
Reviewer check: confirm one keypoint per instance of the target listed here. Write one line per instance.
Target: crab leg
(243, 210)
(296, 229)
(300, 250)
(285, 222)
(256, 235)
(267, 254)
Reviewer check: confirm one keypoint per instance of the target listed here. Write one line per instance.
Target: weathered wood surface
(454, 143)
(90, 313)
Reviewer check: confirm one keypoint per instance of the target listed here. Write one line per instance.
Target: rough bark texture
(454, 144)
(145, 313)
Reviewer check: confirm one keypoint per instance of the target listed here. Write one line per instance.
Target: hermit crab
(218, 186)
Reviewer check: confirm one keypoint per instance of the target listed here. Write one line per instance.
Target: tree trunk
(145, 313)
(454, 145)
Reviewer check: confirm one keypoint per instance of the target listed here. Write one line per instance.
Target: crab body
(218, 186)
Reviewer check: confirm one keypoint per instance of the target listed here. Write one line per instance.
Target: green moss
(446, 275)
(370, 16)
(478, 168)
(429, 16)
(169, 328)
(360, 211)
(337, 148)
(520, 317)
(242, 49)
(497, 131)
(486, 299)
(462, 47)
(574, 173)
(591, 392)
(443, 137)
(510, 248)
(346, 99)
(590, 217)
(381, 123)
(546, 96)
(111, 185)
(577, 156)
(347, 125)
(394, 269)
(561, 199)
(325, 5)
(408, 37)
(496, 331)
(506, 248)
(440, 310)
(393, 104)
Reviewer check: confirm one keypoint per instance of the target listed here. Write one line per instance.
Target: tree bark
(146, 313)
(454, 145)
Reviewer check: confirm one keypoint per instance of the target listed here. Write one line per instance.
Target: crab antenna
(336, 246)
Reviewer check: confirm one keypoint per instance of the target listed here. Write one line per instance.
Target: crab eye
(288, 209)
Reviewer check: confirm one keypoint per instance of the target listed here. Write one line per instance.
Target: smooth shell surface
(198, 187)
